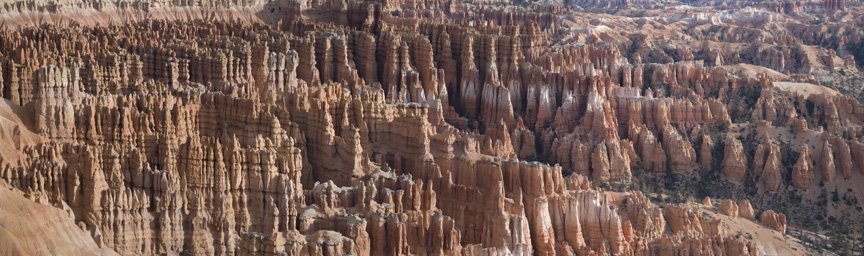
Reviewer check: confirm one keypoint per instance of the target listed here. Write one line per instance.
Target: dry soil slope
(29, 228)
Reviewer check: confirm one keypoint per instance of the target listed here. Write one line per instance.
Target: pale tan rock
(773, 220)
(803, 173)
(682, 220)
(600, 163)
(759, 159)
(734, 161)
(826, 163)
(843, 159)
(681, 155)
(767, 166)
(745, 210)
(524, 141)
(609, 162)
(651, 151)
(729, 208)
(603, 229)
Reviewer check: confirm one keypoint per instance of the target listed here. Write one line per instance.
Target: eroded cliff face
(402, 127)
(155, 153)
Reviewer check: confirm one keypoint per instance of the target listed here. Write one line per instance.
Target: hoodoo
(431, 127)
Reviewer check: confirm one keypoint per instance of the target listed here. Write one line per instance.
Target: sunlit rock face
(426, 127)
